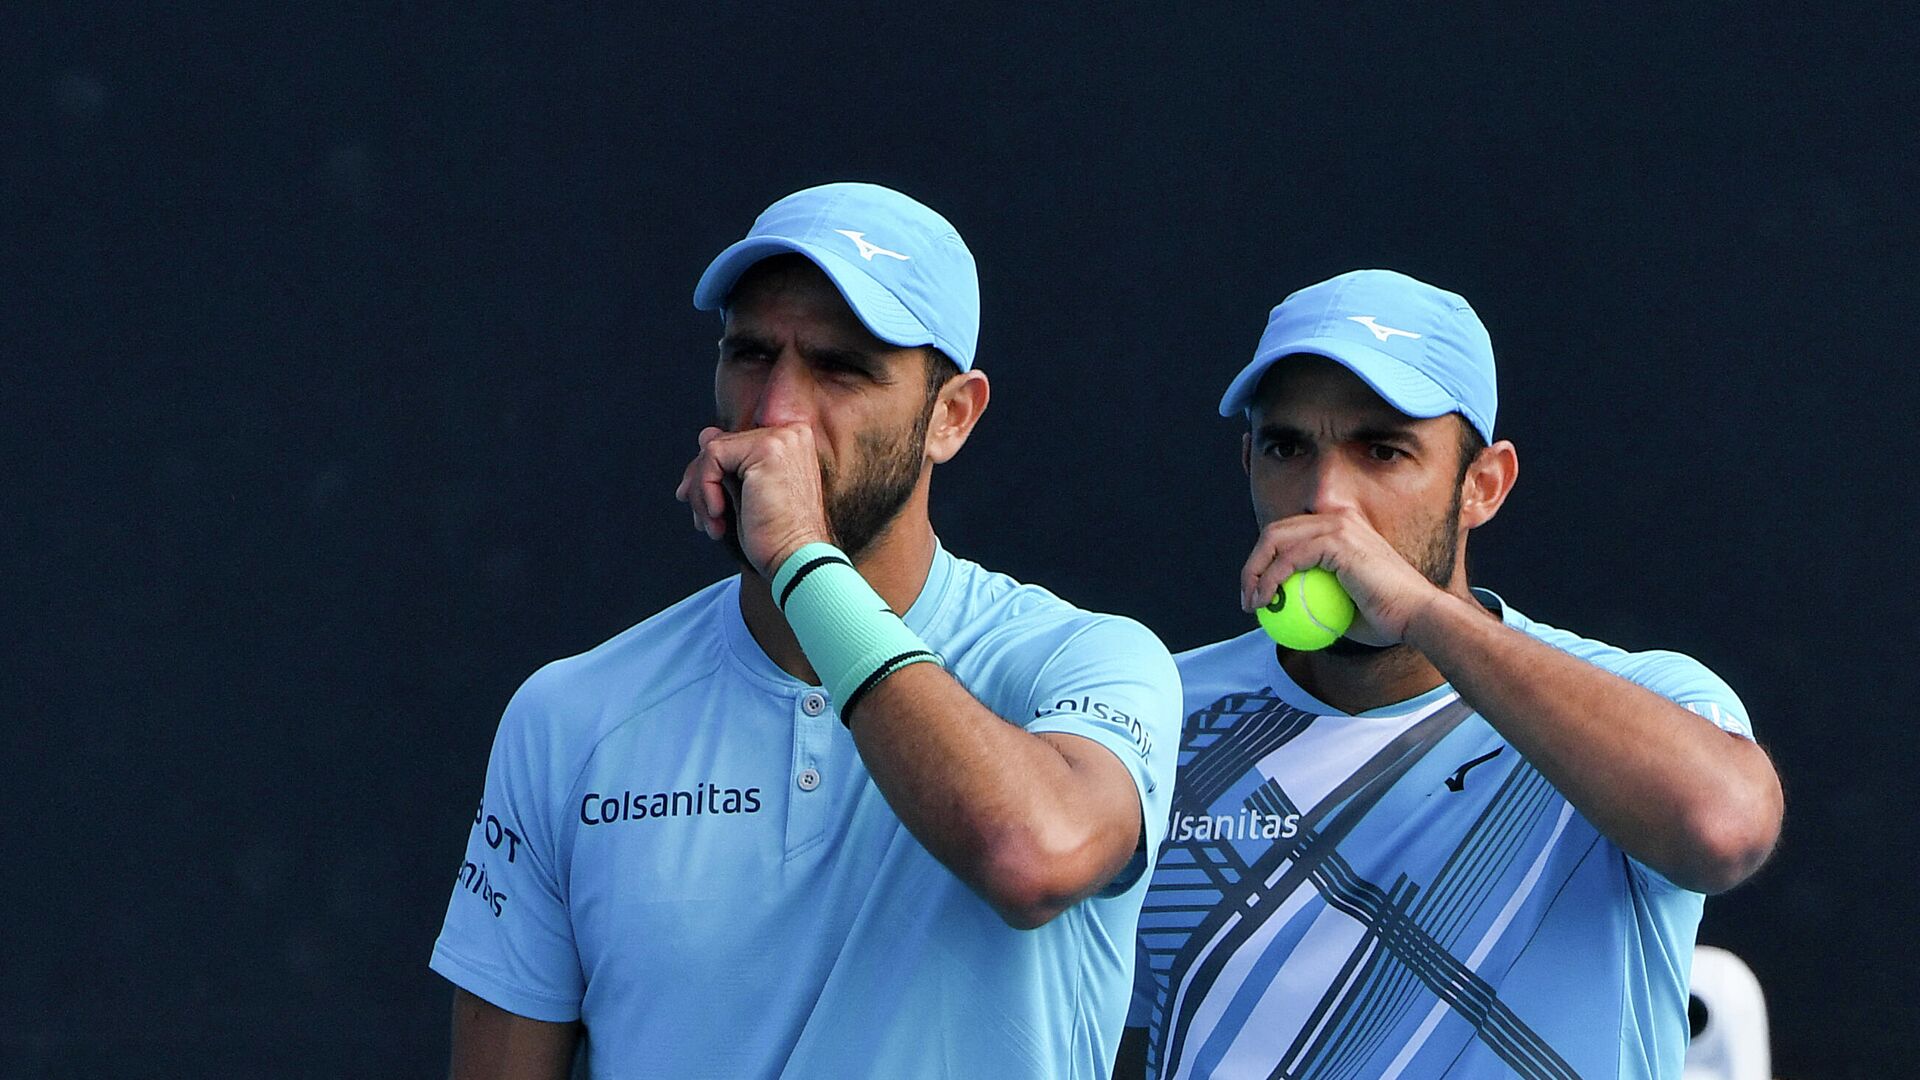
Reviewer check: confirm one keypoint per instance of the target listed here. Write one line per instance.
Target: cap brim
(878, 309)
(1403, 387)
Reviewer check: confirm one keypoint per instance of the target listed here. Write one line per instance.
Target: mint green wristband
(850, 636)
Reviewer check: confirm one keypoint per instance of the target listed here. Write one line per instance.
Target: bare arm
(1697, 804)
(490, 1043)
(1033, 823)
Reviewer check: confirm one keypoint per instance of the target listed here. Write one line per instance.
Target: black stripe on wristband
(892, 665)
(794, 581)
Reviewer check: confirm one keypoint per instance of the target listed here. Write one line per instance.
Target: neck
(1356, 683)
(896, 564)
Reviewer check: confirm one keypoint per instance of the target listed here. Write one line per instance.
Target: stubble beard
(863, 507)
(1433, 555)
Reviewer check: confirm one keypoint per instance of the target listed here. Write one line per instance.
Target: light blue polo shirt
(1469, 923)
(679, 845)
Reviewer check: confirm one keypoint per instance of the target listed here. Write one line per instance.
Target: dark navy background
(348, 368)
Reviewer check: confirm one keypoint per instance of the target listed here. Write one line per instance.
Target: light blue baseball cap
(901, 267)
(1421, 348)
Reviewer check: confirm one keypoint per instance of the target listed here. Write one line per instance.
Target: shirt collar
(756, 664)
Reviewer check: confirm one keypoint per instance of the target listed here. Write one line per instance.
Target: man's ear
(958, 408)
(1489, 480)
(1246, 453)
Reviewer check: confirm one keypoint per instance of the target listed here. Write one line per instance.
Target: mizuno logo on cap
(1380, 333)
(868, 251)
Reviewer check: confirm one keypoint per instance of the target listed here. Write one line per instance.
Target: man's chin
(854, 542)
(1347, 648)
(731, 542)
(1359, 643)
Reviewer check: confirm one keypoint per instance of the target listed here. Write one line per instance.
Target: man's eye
(843, 367)
(1383, 452)
(1285, 448)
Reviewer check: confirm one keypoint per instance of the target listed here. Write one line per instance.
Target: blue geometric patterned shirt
(1399, 893)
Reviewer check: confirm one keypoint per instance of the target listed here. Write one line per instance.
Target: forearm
(1693, 802)
(1033, 823)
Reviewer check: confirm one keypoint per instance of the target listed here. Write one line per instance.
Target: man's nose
(787, 394)
(1332, 485)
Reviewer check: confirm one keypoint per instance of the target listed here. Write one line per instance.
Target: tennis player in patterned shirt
(1459, 842)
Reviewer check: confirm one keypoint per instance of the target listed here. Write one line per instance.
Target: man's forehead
(787, 288)
(785, 277)
(1307, 383)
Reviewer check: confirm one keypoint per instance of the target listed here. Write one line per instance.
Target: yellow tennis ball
(1310, 611)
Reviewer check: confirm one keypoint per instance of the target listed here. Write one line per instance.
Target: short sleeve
(1693, 686)
(1690, 684)
(507, 937)
(1114, 683)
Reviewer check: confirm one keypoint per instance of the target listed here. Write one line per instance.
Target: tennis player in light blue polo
(867, 808)
(1458, 843)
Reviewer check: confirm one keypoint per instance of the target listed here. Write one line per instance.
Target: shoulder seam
(559, 809)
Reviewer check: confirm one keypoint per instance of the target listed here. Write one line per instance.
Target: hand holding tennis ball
(1310, 612)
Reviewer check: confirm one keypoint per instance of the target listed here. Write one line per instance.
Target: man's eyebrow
(743, 340)
(1387, 432)
(1268, 433)
(841, 354)
(1383, 433)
